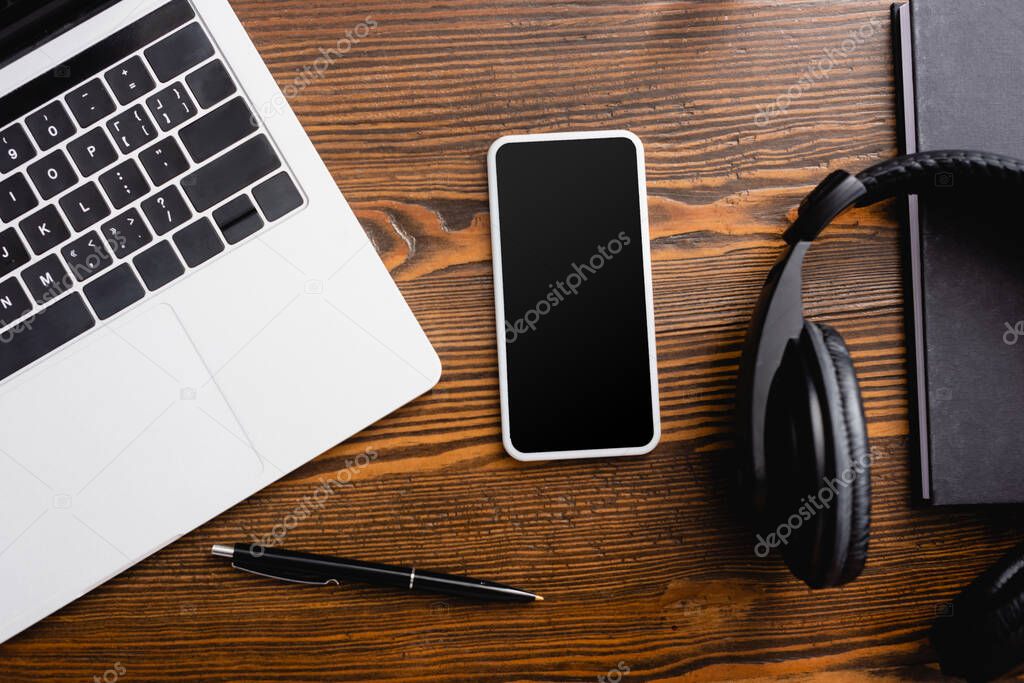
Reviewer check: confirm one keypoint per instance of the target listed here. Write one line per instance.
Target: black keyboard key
(92, 152)
(114, 291)
(159, 265)
(84, 206)
(14, 302)
(210, 84)
(47, 279)
(179, 52)
(51, 329)
(16, 198)
(218, 130)
(166, 210)
(163, 161)
(237, 219)
(52, 174)
(90, 103)
(129, 80)
(132, 129)
(126, 234)
(15, 148)
(198, 242)
(86, 256)
(13, 254)
(50, 125)
(44, 229)
(277, 197)
(171, 106)
(124, 184)
(229, 174)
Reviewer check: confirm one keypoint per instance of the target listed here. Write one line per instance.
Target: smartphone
(573, 296)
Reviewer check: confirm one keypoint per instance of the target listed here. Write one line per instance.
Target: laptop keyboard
(133, 163)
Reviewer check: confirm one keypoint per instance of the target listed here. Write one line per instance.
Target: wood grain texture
(646, 563)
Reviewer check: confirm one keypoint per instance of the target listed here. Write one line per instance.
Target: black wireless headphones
(803, 438)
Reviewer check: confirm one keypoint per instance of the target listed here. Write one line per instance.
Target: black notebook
(960, 69)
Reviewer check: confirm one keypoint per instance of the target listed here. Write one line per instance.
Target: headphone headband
(921, 173)
(778, 317)
(838, 192)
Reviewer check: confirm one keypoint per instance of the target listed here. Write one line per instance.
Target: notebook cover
(965, 90)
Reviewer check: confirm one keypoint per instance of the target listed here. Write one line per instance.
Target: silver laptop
(188, 308)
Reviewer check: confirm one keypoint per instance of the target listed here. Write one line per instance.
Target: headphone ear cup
(817, 462)
(794, 438)
(983, 636)
(850, 437)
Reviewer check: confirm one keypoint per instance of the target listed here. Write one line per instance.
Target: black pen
(288, 565)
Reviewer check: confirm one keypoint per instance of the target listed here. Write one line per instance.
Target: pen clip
(283, 574)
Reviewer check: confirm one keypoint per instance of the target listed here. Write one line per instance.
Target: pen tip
(539, 597)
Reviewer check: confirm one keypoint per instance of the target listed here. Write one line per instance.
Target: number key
(13, 254)
(132, 129)
(15, 148)
(50, 125)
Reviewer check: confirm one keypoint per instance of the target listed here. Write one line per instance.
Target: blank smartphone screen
(573, 279)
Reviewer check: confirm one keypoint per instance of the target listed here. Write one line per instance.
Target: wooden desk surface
(645, 562)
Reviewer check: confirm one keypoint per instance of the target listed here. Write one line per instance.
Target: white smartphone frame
(499, 296)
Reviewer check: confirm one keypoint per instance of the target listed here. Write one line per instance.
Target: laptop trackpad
(124, 436)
